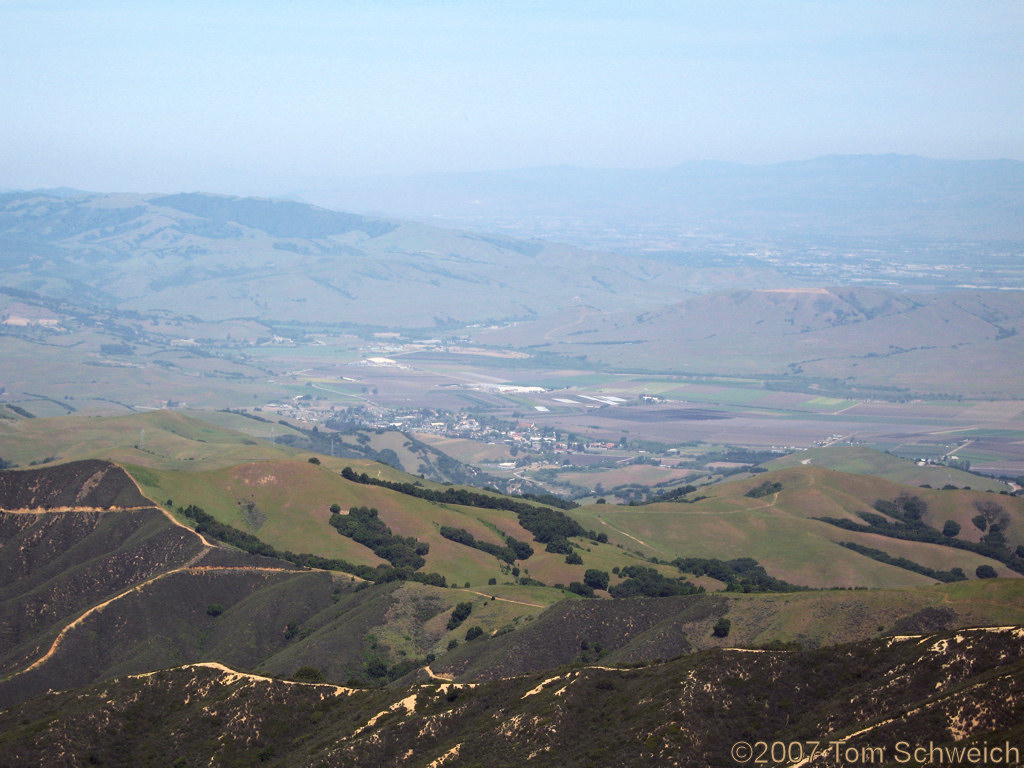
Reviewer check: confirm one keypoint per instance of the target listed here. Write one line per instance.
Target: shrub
(596, 579)
(722, 627)
(308, 674)
(460, 614)
(985, 572)
(473, 633)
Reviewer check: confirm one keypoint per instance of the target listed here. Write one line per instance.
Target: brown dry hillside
(883, 698)
(91, 483)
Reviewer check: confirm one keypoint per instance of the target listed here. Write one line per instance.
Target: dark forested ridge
(892, 695)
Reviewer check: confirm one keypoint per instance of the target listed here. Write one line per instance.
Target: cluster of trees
(641, 581)
(207, 525)
(548, 526)
(767, 488)
(553, 528)
(459, 614)
(907, 523)
(903, 507)
(512, 551)
(550, 499)
(992, 520)
(579, 588)
(364, 526)
(592, 579)
(742, 574)
(377, 671)
(20, 411)
(954, 574)
(675, 494)
(596, 579)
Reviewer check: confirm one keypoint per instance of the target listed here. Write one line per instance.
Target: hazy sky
(269, 97)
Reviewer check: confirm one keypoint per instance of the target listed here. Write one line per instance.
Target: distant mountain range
(223, 257)
(875, 220)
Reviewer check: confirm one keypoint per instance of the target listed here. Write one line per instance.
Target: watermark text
(843, 753)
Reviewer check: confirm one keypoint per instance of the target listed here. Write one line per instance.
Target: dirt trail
(627, 535)
(190, 566)
(45, 510)
(94, 609)
(434, 676)
(236, 675)
(502, 599)
(186, 568)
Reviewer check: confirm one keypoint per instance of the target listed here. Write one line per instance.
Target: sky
(265, 97)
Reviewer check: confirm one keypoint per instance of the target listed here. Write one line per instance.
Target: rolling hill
(827, 337)
(866, 461)
(229, 259)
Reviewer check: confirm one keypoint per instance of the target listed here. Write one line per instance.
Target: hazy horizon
(259, 99)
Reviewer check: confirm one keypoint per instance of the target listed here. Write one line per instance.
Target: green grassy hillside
(866, 461)
(286, 503)
(780, 532)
